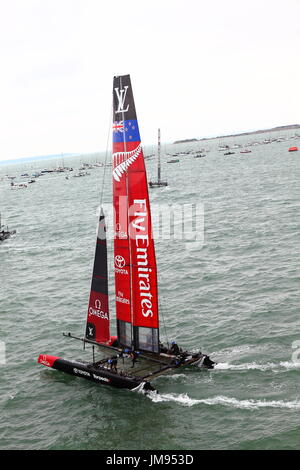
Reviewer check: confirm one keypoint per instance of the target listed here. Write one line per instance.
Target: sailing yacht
(4, 234)
(135, 355)
(159, 182)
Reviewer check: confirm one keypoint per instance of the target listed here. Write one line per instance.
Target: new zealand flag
(126, 131)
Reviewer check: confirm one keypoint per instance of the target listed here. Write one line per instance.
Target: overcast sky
(199, 68)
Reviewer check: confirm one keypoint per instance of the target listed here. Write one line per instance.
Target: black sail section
(97, 326)
(123, 102)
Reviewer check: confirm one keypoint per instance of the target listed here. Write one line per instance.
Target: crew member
(134, 355)
(174, 348)
(162, 348)
(124, 353)
(113, 363)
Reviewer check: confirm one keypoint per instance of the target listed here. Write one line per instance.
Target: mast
(135, 263)
(158, 183)
(122, 264)
(158, 164)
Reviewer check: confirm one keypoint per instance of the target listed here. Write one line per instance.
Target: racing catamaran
(159, 182)
(135, 355)
(4, 234)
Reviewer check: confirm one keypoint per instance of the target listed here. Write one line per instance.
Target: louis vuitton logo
(121, 95)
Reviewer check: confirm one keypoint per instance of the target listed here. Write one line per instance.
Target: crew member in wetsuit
(162, 348)
(134, 356)
(123, 353)
(178, 360)
(113, 363)
(174, 348)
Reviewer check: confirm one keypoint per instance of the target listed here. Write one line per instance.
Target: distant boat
(173, 161)
(222, 147)
(159, 182)
(293, 149)
(4, 234)
(199, 155)
(245, 151)
(18, 185)
(229, 153)
(81, 173)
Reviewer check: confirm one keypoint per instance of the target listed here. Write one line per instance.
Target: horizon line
(75, 154)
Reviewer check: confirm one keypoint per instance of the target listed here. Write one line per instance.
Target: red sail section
(135, 265)
(97, 327)
(121, 239)
(144, 274)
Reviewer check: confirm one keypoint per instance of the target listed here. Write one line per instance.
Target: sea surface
(233, 292)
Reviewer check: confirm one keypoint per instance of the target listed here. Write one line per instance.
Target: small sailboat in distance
(159, 182)
(4, 234)
(135, 355)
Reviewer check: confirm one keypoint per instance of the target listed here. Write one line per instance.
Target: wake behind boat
(135, 356)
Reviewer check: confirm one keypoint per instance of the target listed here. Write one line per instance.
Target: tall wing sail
(122, 264)
(135, 264)
(97, 325)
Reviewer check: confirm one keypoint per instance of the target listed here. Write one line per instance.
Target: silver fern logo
(123, 160)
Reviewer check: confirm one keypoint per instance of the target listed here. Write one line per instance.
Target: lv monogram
(121, 95)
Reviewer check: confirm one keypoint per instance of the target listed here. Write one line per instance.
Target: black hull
(157, 184)
(4, 235)
(100, 373)
(93, 373)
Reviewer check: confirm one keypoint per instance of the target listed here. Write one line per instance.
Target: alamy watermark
(296, 353)
(2, 353)
(170, 222)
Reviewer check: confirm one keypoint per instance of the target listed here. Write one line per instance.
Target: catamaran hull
(6, 235)
(157, 184)
(93, 373)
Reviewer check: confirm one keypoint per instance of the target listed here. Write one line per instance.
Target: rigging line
(161, 309)
(110, 253)
(128, 234)
(105, 160)
(109, 264)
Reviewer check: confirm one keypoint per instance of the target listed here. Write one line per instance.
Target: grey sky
(198, 68)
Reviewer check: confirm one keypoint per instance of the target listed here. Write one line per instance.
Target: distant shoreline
(38, 158)
(67, 155)
(261, 131)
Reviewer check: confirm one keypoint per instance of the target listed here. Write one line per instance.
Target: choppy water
(236, 296)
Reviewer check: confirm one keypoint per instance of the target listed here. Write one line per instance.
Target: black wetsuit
(133, 355)
(175, 349)
(163, 348)
(113, 364)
